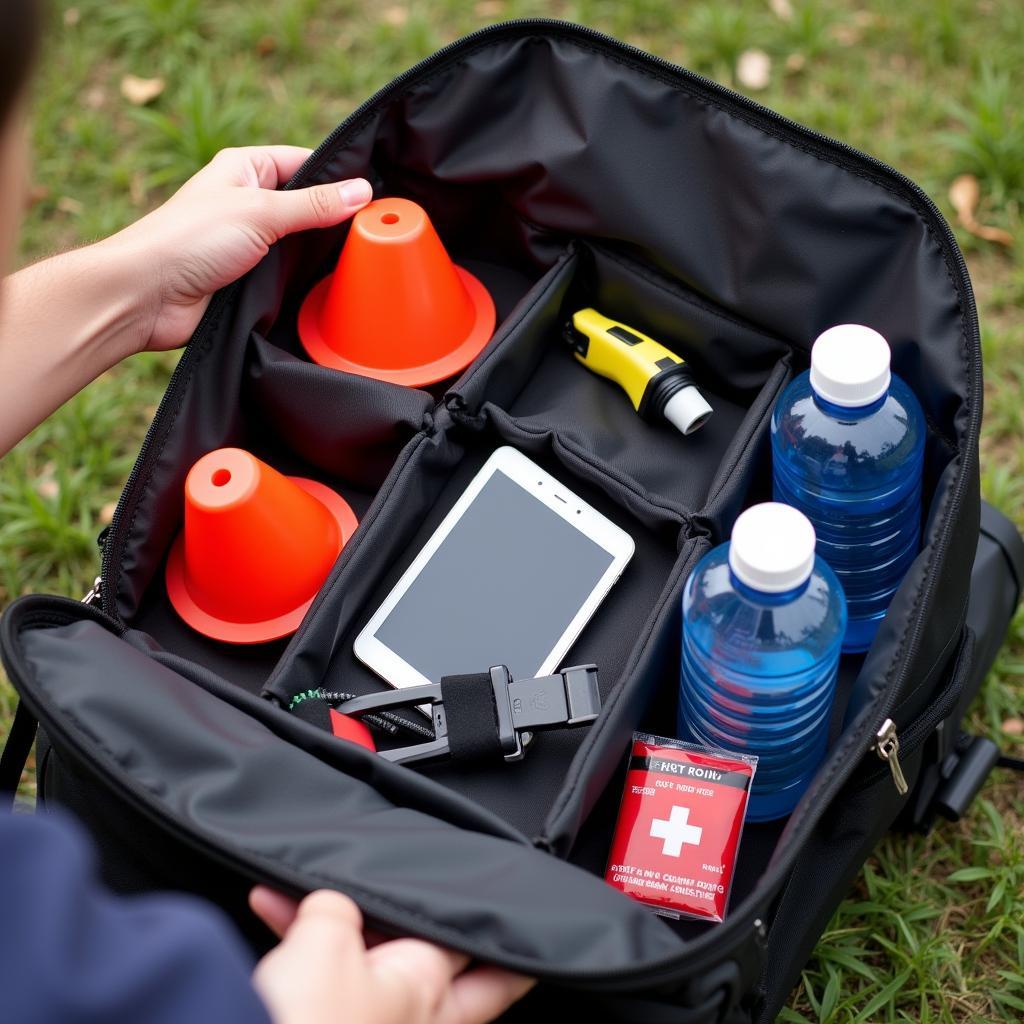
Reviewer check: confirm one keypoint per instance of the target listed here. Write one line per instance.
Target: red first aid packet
(679, 826)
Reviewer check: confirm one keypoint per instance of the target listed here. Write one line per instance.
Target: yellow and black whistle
(657, 381)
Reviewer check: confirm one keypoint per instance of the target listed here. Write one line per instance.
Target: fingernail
(356, 192)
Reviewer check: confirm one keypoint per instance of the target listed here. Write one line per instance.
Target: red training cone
(396, 308)
(255, 549)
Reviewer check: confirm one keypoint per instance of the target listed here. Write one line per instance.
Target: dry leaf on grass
(781, 9)
(964, 195)
(140, 91)
(266, 45)
(796, 62)
(107, 512)
(754, 69)
(489, 8)
(1014, 727)
(68, 205)
(396, 16)
(72, 16)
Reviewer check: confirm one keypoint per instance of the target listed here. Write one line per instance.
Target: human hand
(216, 228)
(323, 971)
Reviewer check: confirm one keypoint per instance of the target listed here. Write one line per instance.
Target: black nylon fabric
(304, 819)
(738, 239)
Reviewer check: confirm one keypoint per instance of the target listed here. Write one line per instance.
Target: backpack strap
(15, 753)
(1003, 532)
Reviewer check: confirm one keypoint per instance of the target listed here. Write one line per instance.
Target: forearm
(66, 320)
(63, 322)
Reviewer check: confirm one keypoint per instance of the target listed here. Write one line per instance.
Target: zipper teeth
(928, 210)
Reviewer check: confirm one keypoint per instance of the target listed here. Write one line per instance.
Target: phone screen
(500, 590)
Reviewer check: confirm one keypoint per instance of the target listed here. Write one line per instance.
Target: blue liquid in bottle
(763, 623)
(848, 451)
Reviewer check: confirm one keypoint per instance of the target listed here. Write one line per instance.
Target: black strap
(1013, 763)
(473, 729)
(1004, 532)
(15, 753)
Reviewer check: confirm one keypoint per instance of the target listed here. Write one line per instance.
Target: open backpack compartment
(565, 170)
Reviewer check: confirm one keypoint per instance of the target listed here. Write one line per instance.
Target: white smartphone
(510, 577)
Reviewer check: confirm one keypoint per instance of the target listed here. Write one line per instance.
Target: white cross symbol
(676, 832)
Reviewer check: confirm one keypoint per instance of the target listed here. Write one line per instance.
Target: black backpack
(565, 169)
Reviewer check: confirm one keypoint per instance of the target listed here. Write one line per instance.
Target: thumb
(274, 909)
(319, 206)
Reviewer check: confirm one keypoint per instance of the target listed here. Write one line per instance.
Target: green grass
(934, 930)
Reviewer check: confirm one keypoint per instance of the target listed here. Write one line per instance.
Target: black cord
(386, 721)
(1013, 763)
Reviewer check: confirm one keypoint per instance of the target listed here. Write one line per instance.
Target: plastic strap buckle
(522, 706)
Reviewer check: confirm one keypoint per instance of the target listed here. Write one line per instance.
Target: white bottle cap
(687, 410)
(850, 365)
(772, 548)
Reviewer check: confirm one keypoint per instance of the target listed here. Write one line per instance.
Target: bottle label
(679, 826)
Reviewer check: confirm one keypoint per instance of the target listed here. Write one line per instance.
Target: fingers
(279, 912)
(481, 995)
(286, 160)
(273, 908)
(320, 206)
(330, 923)
(330, 908)
(255, 166)
(253, 174)
(323, 964)
(412, 978)
(318, 972)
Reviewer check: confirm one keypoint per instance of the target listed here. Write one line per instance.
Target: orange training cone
(255, 549)
(396, 308)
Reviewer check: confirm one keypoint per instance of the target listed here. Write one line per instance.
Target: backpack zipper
(891, 741)
(887, 747)
(94, 595)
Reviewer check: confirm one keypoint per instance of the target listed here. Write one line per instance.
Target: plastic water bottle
(848, 451)
(763, 623)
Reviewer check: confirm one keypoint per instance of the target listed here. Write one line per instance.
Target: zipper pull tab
(887, 746)
(94, 592)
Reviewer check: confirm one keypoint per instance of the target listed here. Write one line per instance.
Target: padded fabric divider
(348, 426)
(535, 378)
(435, 477)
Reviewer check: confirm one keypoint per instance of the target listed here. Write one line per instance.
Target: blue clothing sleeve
(71, 952)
